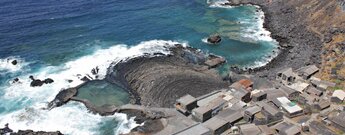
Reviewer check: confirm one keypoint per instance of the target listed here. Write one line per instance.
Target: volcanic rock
(62, 97)
(214, 39)
(159, 81)
(14, 62)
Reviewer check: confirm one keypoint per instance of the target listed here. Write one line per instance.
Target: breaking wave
(23, 104)
(218, 3)
(7, 66)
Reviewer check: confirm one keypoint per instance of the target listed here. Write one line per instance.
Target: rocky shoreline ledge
(157, 81)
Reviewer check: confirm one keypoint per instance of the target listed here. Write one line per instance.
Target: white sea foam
(72, 118)
(267, 58)
(7, 66)
(125, 125)
(78, 68)
(257, 31)
(218, 4)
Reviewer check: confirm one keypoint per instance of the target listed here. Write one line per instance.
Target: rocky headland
(159, 81)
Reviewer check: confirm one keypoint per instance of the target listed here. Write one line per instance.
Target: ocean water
(65, 40)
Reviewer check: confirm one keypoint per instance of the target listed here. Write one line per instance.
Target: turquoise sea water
(64, 40)
(109, 94)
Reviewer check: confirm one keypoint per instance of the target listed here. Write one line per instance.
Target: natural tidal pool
(103, 93)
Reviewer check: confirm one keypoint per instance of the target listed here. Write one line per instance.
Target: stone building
(186, 104)
(286, 76)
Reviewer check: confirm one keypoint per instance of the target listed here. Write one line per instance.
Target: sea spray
(6, 65)
(218, 3)
(126, 125)
(258, 31)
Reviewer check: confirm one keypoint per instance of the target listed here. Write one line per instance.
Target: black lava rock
(48, 81)
(214, 39)
(14, 62)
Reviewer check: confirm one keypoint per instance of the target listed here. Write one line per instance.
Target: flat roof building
(209, 109)
(250, 112)
(186, 104)
(290, 93)
(322, 104)
(286, 76)
(266, 130)
(288, 106)
(338, 121)
(242, 94)
(284, 128)
(198, 129)
(268, 114)
(338, 96)
(282, 91)
(308, 71)
(231, 116)
(216, 125)
(314, 91)
(299, 86)
(319, 128)
(259, 96)
(249, 129)
(320, 84)
(202, 113)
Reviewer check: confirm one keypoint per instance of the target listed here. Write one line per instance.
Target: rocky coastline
(159, 81)
(298, 46)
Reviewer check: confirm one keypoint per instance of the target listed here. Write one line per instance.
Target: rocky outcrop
(31, 132)
(38, 82)
(8, 130)
(214, 39)
(214, 61)
(159, 81)
(62, 97)
(14, 62)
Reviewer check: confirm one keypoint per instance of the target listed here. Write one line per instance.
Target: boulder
(14, 62)
(85, 79)
(36, 83)
(48, 81)
(15, 80)
(214, 39)
(95, 71)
